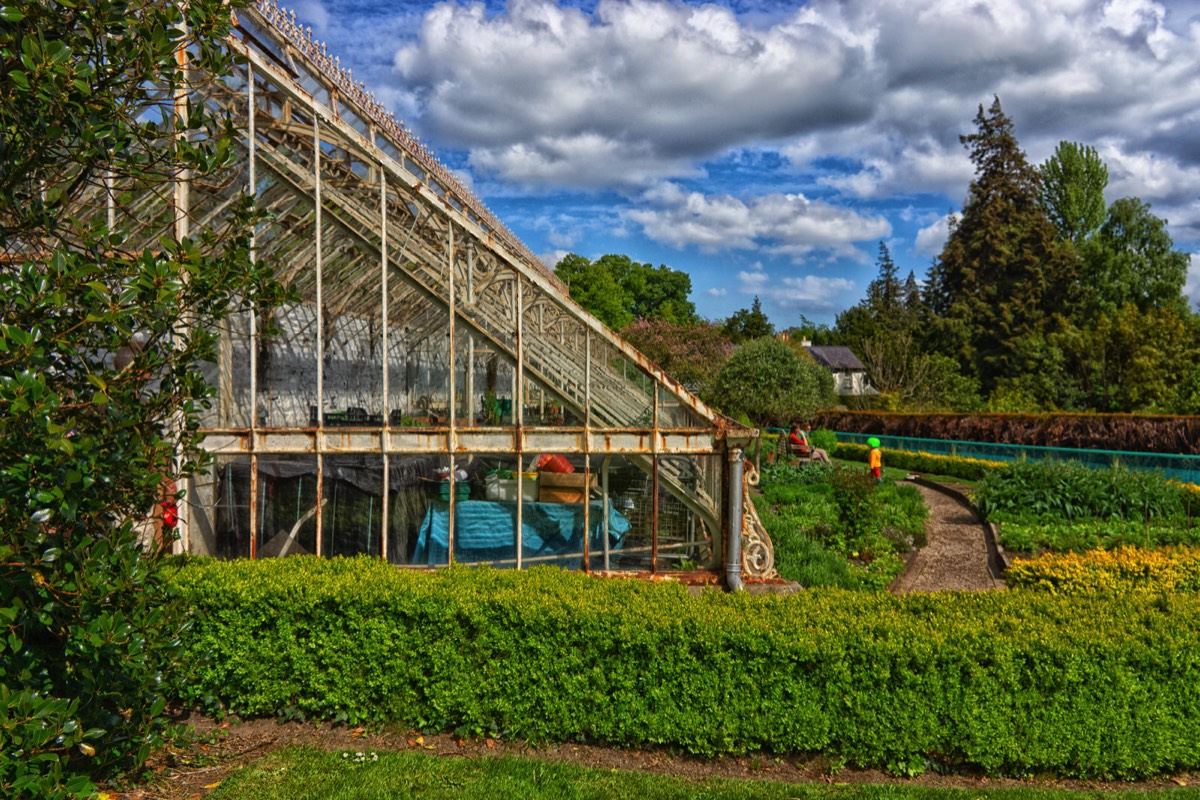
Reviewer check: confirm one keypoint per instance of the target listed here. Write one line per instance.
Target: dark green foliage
(782, 474)
(772, 383)
(856, 494)
(746, 325)
(887, 308)
(1008, 683)
(88, 444)
(1003, 272)
(1028, 535)
(1132, 259)
(1067, 490)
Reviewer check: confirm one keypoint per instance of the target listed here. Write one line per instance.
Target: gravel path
(956, 556)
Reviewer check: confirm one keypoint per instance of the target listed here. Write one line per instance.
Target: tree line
(1044, 297)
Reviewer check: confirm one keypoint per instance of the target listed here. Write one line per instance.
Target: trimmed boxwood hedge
(969, 469)
(1010, 683)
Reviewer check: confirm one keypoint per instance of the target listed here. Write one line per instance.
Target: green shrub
(797, 533)
(104, 347)
(824, 439)
(856, 494)
(810, 531)
(772, 383)
(812, 473)
(1009, 683)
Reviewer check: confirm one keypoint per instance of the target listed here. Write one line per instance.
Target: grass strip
(300, 773)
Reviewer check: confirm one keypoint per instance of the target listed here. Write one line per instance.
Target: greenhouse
(433, 396)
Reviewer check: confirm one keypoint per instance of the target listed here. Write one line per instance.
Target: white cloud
(803, 293)
(1146, 175)
(538, 85)
(642, 90)
(313, 13)
(717, 292)
(552, 258)
(1191, 289)
(932, 238)
(752, 282)
(787, 224)
(863, 102)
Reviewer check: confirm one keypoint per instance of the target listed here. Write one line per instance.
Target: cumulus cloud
(786, 224)
(808, 294)
(640, 89)
(855, 108)
(535, 82)
(932, 238)
(314, 14)
(1191, 289)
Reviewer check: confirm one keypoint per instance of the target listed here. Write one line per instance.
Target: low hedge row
(1010, 683)
(1127, 569)
(969, 469)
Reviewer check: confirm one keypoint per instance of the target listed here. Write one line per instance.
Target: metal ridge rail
(284, 23)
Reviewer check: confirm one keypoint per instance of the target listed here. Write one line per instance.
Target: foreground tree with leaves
(101, 345)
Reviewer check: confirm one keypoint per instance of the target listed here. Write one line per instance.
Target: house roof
(835, 357)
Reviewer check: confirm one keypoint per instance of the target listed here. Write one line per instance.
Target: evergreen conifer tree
(1002, 272)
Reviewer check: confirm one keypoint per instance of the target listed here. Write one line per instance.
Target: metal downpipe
(733, 542)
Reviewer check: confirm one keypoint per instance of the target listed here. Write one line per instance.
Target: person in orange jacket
(875, 459)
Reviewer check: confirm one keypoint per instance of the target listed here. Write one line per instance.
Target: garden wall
(1010, 683)
(1128, 432)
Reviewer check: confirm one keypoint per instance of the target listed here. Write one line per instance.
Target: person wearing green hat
(875, 459)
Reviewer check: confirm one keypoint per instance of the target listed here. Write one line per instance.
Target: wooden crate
(558, 487)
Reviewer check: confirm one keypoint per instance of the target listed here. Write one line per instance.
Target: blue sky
(768, 148)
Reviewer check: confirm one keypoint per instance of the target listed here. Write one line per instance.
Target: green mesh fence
(1180, 467)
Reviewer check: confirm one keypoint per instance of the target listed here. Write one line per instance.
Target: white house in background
(849, 374)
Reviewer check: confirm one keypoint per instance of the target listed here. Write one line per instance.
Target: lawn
(298, 773)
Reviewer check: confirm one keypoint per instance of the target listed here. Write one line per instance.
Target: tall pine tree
(1002, 272)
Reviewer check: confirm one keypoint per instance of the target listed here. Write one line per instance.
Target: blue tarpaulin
(484, 531)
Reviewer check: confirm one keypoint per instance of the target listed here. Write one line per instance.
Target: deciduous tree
(1072, 190)
(772, 384)
(618, 290)
(1132, 259)
(692, 354)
